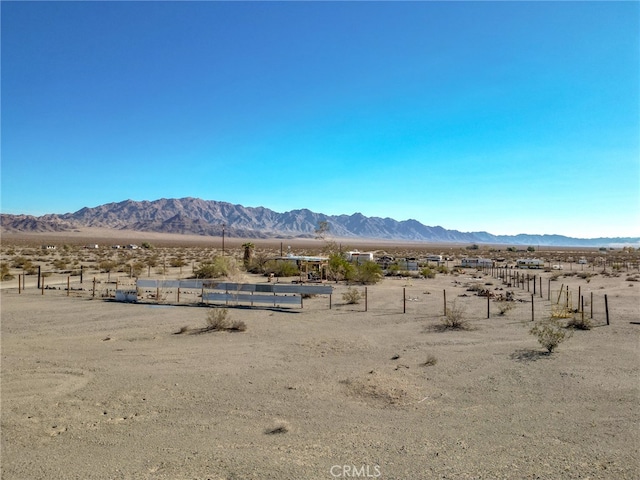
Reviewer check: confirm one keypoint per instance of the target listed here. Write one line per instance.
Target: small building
(407, 264)
(434, 258)
(48, 247)
(476, 262)
(359, 257)
(312, 267)
(530, 263)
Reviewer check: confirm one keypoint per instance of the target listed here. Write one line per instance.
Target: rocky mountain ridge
(207, 217)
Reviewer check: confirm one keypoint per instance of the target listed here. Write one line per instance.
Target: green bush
(281, 268)
(351, 296)
(368, 273)
(427, 272)
(393, 270)
(549, 333)
(219, 267)
(4, 272)
(454, 317)
(21, 262)
(339, 268)
(218, 320)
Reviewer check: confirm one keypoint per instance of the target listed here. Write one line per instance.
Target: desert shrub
(60, 263)
(549, 333)
(579, 323)
(475, 287)
(281, 268)
(368, 273)
(442, 269)
(429, 361)
(339, 268)
(21, 262)
(351, 296)
(585, 275)
(427, 272)
(504, 307)
(177, 262)
(393, 270)
(454, 317)
(5, 274)
(218, 320)
(219, 267)
(137, 268)
(107, 265)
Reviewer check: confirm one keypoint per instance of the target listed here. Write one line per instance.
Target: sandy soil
(93, 389)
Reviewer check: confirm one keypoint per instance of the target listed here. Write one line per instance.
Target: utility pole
(223, 225)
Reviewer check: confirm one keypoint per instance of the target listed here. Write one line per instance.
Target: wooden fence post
(606, 307)
(404, 299)
(533, 315)
(488, 305)
(445, 302)
(68, 284)
(540, 286)
(579, 295)
(93, 294)
(366, 299)
(19, 283)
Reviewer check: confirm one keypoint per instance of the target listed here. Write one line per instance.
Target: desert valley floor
(97, 389)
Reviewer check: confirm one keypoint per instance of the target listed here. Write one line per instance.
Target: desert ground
(98, 389)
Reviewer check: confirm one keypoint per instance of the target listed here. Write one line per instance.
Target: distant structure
(476, 262)
(359, 257)
(530, 263)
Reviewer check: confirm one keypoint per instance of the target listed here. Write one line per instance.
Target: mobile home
(530, 263)
(359, 257)
(476, 262)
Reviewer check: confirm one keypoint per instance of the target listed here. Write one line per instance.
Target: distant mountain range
(207, 217)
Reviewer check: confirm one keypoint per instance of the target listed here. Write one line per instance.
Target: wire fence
(476, 305)
(523, 297)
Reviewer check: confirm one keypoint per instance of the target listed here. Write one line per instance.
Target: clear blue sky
(507, 117)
